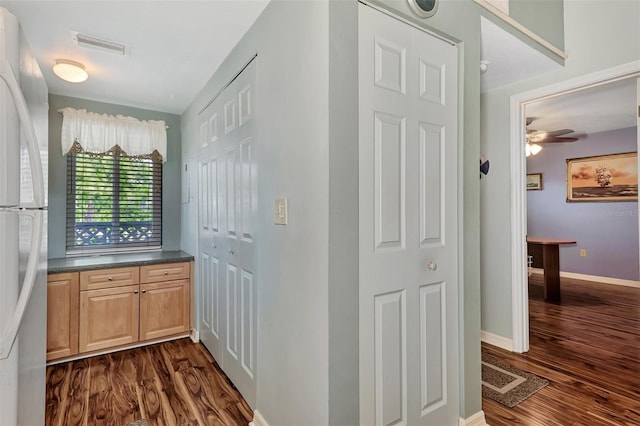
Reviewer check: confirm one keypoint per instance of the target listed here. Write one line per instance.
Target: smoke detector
(484, 66)
(98, 43)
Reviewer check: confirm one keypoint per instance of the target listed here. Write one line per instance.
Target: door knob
(231, 252)
(432, 266)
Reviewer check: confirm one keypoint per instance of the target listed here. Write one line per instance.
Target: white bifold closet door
(227, 216)
(408, 193)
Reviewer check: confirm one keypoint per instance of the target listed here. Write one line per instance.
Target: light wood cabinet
(62, 315)
(164, 309)
(108, 317)
(165, 300)
(114, 307)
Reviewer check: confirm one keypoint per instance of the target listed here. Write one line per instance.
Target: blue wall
(607, 231)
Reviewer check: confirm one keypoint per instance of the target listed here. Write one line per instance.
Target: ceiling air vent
(92, 42)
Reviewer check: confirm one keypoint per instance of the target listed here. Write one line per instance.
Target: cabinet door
(108, 317)
(63, 296)
(164, 309)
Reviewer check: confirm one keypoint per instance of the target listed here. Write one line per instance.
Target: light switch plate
(280, 215)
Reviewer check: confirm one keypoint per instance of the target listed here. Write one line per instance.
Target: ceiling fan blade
(556, 139)
(560, 132)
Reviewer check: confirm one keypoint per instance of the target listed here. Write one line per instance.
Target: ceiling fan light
(533, 148)
(71, 71)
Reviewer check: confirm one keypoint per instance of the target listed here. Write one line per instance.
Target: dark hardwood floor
(172, 383)
(588, 347)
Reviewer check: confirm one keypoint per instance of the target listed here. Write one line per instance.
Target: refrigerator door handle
(26, 123)
(9, 334)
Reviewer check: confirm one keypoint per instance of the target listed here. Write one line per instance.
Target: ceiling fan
(535, 137)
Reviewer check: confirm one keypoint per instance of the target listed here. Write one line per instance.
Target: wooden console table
(550, 264)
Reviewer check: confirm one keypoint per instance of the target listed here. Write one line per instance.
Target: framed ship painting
(534, 181)
(603, 178)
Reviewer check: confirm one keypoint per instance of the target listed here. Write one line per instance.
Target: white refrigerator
(23, 219)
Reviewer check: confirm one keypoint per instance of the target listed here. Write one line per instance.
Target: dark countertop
(86, 263)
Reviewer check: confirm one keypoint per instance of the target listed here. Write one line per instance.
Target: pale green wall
(307, 151)
(597, 37)
(344, 402)
(292, 153)
(543, 17)
(58, 170)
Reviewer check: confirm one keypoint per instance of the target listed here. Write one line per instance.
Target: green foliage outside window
(116, 200)
(97, 188)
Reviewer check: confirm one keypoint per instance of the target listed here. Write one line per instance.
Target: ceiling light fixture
(71, 71)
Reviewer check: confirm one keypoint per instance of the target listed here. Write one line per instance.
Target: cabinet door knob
(135, 291)
(231, 252)
(166, 272)
(110, 278)
(144, 291)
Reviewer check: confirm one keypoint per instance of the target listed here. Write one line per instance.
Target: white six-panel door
(227, 215)
(408, 224)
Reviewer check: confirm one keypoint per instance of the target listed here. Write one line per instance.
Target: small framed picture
(534, 181)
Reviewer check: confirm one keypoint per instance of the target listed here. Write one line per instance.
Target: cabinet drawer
(164, 272)
(106, 278)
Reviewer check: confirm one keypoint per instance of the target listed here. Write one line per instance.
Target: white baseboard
(258, 420)
(495, 340)
(195, 335)
(595, 278)
(476, 420)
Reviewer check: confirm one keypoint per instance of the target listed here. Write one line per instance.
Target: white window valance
(100, 133)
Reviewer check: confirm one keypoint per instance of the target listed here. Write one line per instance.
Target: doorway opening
(519, 103)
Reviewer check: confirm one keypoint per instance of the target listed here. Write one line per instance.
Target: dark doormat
(508, 385)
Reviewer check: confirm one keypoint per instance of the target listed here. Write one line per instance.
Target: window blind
(113, 202)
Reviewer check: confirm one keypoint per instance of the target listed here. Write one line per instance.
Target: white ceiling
(509, 59)
(598, 109)
(175, 46)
